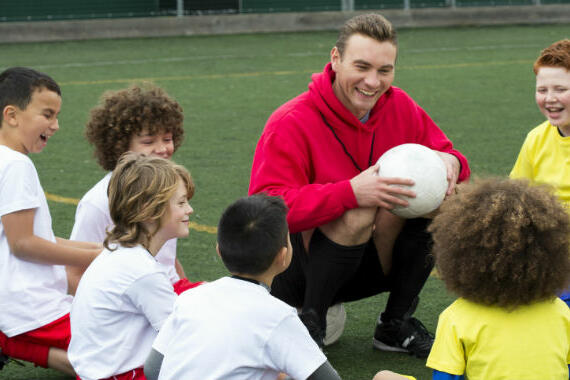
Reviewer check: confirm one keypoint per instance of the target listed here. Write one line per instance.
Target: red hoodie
(299, 158)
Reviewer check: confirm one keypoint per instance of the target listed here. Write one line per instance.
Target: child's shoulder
(10, 156)
(246, 297)
(542, 129)
(120, 270)
(98, 193)
(463, 308)
(138, 255)
(135, 261)
(15, 166)
(562, 308)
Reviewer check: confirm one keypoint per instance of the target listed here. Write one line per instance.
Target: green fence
(255, 6)
(40, 10)
(32, 10)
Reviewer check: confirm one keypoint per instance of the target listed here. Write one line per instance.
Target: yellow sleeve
(523, 167)
(447, 353)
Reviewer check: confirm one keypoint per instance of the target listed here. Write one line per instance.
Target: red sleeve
(281, 167)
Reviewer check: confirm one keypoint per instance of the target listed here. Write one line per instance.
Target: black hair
(17, 84)
(251, 232)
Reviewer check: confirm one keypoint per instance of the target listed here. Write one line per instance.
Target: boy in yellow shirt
(545, 154)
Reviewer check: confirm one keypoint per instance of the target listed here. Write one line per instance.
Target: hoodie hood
(337, 115)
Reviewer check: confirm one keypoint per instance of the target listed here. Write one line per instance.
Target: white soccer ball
(425, 168)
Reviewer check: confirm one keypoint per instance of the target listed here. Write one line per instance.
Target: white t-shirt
(122, 300)
(92, 219)
(233, 329)
(31, 294)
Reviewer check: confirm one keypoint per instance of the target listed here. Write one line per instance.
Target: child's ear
(283, 258)
(9, 115)
(218, 250)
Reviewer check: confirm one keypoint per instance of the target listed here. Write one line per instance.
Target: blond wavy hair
(139, 192)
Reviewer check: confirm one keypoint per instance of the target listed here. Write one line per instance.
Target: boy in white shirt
(136, 119)
(34, 305)
(233, 328)
(125, 295)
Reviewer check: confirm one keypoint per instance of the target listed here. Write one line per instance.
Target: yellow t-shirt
(545, 158)
(532, 342)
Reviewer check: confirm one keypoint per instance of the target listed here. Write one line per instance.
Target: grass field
(476, 83)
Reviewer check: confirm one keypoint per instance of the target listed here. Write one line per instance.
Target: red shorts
(134, 374)
(184, 284)
(33, 346)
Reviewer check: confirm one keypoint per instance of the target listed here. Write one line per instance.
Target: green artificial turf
(476, 83)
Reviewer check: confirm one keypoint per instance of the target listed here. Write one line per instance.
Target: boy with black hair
(34, 305)
(233, 328)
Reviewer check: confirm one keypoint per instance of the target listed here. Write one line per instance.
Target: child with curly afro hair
(141, 119)
(503, 247)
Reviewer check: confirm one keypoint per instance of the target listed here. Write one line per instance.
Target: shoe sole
(384, 347)
(336, 319)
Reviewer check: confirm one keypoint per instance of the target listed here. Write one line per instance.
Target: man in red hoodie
(318, 151)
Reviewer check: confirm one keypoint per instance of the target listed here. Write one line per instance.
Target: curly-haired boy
(503, 247)
(137, 119)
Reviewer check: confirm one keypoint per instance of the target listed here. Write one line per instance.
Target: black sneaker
(311, 321)
(403, 335)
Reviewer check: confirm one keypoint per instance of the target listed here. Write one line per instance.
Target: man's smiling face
(364, 72)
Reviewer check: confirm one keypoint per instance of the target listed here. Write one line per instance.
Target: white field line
(324, 54)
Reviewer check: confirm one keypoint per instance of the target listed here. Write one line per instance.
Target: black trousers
(331, 273)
